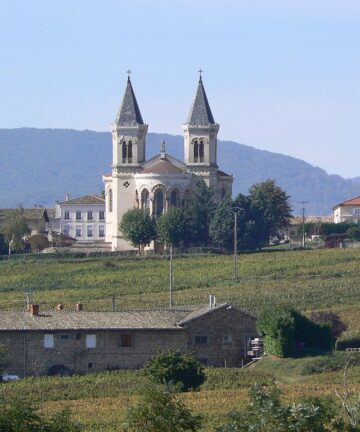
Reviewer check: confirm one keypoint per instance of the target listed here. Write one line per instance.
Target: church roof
(200, 112)
(129, 112)
(164, 165)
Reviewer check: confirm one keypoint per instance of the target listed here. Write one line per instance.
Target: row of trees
(261, 215)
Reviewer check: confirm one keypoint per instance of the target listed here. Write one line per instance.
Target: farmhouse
(64, 342)
(347, 211)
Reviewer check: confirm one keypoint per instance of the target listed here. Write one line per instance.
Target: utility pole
(235, 211)
(303, 221)
(171, 276)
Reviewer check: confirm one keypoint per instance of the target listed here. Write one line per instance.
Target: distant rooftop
(86, 199)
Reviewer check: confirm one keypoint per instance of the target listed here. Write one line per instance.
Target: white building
(163, 181)
(81, 218)
(347, 211)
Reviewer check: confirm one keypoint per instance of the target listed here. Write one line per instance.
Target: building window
(357, 211)
(66, 230)
(201, 151)
(227, 339)
(173, 199)
(196, 151)
(101, 231)
(66, 215)
(129, 152)
(159, 203)
(90, 365)
(110, 200)
(48, 341)
(78, 336)
(89, 215)
(201, 339)
(78, 214)
(64, 337)
(126, 340)
(223, 193)
(145, 199)
(90, 231)
(124, 152)
(78, 231)
(90, 341)
(101, 215)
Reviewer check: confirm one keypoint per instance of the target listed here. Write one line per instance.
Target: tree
(171, 227)
(337, 325)
(175, 368)
(159, 411)
(266, 413)
(21, 415)
(353, 233)
(270, 203)
(38, 242)
(15, 228)
(221, 227)
(199, 212)
(138, 227)
(4, 247)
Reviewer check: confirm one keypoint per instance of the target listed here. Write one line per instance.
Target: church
(162, 182)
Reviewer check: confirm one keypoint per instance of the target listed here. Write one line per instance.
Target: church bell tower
(128, 132)
(200, 138)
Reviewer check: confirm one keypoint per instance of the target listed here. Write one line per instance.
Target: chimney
(67, 197)
(59, 307)
(78, 307)
(34, 310)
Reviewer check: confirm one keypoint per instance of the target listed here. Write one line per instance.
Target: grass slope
(310, 280)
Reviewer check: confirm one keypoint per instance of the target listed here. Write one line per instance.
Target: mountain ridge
(33, 160)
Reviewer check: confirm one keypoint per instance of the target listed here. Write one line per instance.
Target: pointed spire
(200, 112)
(129, 112)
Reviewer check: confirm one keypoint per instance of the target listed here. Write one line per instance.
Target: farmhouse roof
(86, 199)
(298, 220)
(129, 113)
(149, 319)
(200, 112)
(208, 309)
(350, 202)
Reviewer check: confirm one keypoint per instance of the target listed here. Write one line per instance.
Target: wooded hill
(38, 166)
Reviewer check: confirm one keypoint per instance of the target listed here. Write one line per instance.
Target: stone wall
(27, 355)
(220, 338)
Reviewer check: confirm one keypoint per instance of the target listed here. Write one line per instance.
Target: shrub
(287, 332)
(337, 326)
(173, 367)
(159, 411)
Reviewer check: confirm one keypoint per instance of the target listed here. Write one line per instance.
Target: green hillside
(308, 280)
(53, 162)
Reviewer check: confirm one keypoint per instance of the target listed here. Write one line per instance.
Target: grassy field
(100, 401)
(309, 280)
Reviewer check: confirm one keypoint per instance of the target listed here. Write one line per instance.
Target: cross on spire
(128, 73)
(200, 72)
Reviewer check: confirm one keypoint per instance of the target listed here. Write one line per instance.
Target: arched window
(110, 200)
(145, 199)
(196, 151)
(124, 152)
(129, 152)
(201, 151)
(159, 203)
(223, 193)
(173, 199)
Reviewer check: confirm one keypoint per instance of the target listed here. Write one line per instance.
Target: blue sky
(283, 75)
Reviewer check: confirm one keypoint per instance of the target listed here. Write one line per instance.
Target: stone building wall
(28, 356)
(220, 338)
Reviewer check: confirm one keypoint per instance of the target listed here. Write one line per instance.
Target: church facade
(162, 182)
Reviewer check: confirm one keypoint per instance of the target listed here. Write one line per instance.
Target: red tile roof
(161, 166)
(352, 201)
